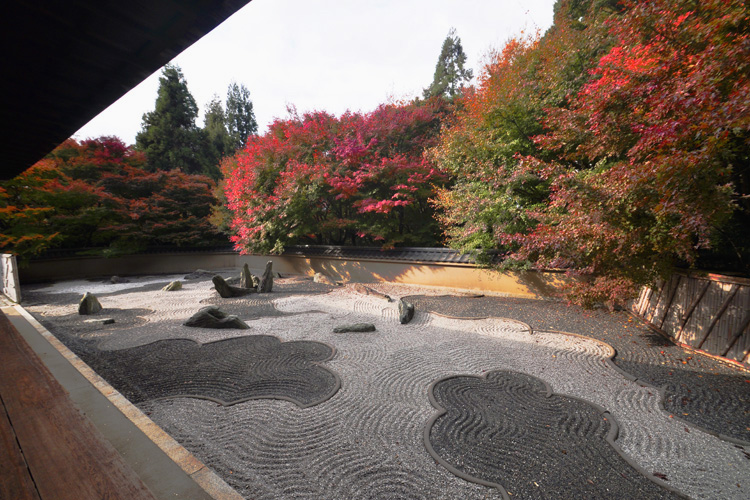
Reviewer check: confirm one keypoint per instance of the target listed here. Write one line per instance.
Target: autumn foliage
(96, 196)
(320, 179)
(617, 172)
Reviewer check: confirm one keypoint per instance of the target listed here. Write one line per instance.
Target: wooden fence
(710, 313)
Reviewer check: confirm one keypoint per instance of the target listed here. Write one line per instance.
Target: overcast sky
(332, 55)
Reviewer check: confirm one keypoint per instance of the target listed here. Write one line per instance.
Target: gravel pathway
(368, 440)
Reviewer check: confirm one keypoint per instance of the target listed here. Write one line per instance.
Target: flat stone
(116, 279)
(89, 304)
(355, 327)
(175, 285)
(228, 291)
(101, 321)
(405, 311)
(213, 317)
(359, 288)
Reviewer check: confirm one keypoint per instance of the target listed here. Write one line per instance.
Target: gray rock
(213, 317)
(175, 285)
(100, 321)
(89, 304)
(116, 279)
(233, 280)
(405, 311)
(247, 280)
(369, 291)
(227, 291)
(355, 327)
(266, 281)
(322, 278)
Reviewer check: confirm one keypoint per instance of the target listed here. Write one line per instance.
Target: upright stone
(246, 278)
(89, 304)
(228, 291)
(266, 281)
(405, 311)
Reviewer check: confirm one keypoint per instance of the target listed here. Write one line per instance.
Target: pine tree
(219, 142)
(240, 118)
(450, 74)
(169, 135)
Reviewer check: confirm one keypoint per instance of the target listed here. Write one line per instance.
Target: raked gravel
(367, 440)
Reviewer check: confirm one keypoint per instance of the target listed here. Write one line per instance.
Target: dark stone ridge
(247, 280)
(359, 288)
(175, 285)
(405, 311)
(101, 321)
(213, 317)
(89, 304)
(228, 291)
(355, 327)
(226, 371)
(116, 279)
(509, 430)
(266, 281)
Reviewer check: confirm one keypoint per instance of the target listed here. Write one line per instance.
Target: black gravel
(707, 393)
(227, 371)
(509, 430)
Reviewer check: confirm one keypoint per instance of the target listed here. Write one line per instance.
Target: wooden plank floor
(48, 448)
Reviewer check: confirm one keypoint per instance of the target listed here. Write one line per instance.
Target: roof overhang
(68, 61)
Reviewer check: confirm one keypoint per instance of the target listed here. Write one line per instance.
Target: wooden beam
(690, 310)
(652, 313)
(718, 315)
(669, 301)
(733, 339)
(15, 479)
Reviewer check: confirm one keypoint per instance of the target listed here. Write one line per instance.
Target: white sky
(332, 55)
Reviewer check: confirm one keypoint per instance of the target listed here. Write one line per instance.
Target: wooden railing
(710, 313)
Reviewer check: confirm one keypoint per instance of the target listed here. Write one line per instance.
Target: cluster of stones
(247, 283)
(213, 317)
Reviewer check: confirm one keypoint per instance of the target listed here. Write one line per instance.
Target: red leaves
(94, 194)
(324, 180)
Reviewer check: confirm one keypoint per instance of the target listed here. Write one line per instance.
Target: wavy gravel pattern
(509, 430)
(367, 440)
(700, 390)
(227, 371)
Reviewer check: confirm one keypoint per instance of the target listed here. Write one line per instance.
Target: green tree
(450, 74)
(169, 135)
(240, 118)
(219, 142)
